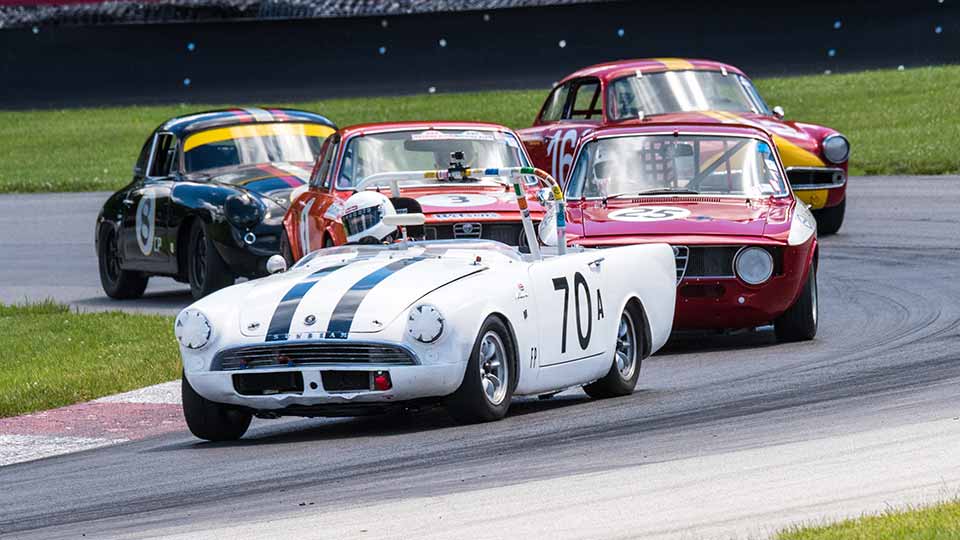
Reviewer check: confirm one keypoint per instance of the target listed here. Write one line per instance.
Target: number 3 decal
(580, 289)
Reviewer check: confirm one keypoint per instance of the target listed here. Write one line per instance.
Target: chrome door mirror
(544, 195)
(778, 111)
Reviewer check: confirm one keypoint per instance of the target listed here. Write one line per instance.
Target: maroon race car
(669, 90)
(745, 247)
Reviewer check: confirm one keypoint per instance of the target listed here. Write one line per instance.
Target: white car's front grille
(312, 353)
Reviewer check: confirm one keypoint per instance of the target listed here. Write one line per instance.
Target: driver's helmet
(363, 215)
(603, 168)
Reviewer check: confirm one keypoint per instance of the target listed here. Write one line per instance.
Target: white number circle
(146, 222)
(456, 200)
(649, 213)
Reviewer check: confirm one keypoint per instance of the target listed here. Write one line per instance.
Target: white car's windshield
(428, 248)
(430, 149)
(658, 164)
(682, 91)
(252, 144)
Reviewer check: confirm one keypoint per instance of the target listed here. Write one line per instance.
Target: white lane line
(168, 392)
(21, 448)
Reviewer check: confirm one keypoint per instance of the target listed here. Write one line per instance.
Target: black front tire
(624, 372)
(207, 270)
(212, 421)
(479, 398)
(829, 220)
(117, 282)
(799, 323)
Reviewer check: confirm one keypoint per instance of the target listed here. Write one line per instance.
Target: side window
(164, 156)
(140, 168)
(586, 101)
(553, 110)
(322, 172)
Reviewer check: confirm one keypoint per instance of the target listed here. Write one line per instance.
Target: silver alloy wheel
(494, 371)
(626, 353)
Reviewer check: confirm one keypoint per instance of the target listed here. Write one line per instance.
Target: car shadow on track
(701, 342)
(429, 419)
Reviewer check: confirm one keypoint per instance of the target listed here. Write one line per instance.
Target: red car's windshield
(681, 91)
(426, 149)
(655, 164)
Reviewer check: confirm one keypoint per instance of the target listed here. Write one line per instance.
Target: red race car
(668, 90)
(745, 247)
(360, 158)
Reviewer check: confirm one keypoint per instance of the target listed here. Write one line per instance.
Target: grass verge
(937, 522)
(899, 122)
(51, 356)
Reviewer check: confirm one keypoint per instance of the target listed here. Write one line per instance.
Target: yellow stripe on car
(791, 154)
(794, 156)
(717, 115)
(816, 198)
(675, 64)
(254, 130)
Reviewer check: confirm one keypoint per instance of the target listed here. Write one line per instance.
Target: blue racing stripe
(346, 310)
(283, 315)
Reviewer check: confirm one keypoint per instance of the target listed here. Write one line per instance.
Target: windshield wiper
(654, 191)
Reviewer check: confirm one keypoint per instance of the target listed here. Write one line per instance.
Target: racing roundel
(649, 213)
(146, 219)
(456, 200)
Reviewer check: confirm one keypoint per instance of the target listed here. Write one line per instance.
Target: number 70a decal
(582, 302)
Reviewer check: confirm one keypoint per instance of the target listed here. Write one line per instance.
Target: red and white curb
(130, 416)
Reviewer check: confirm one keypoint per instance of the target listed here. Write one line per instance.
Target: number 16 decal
(580, 289)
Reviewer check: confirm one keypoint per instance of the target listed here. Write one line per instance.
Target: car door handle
(128, 202)
(596, 262)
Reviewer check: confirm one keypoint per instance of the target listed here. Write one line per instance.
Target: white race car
(470, 324)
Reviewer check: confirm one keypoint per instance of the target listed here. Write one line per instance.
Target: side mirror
(137, 171)
(276, 264)
(544, 195)
(778, 111)
(404, 220)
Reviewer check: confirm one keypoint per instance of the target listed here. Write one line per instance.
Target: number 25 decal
(579, 283)
(649, 213)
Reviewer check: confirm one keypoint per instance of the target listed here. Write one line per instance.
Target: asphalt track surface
(726, 435)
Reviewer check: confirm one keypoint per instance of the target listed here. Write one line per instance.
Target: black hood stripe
(283, 315)
(346, 310)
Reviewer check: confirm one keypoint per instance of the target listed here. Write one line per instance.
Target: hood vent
(695, 199)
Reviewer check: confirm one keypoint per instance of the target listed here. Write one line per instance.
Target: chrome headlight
(753, 265)
(243, 210)
(193, 329)
(836, 148)
(425, 323)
